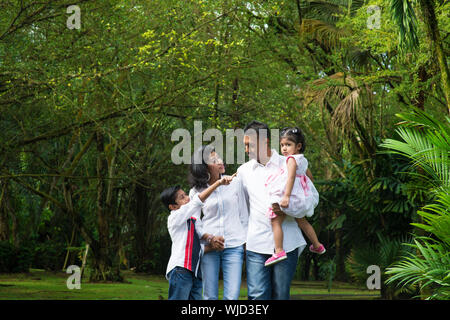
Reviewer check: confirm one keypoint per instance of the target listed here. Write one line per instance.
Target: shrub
(13, 260)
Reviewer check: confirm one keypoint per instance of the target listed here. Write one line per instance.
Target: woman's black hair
(198, 170)
(295, 135)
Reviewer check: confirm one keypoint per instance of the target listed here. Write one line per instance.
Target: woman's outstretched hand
(227, 180)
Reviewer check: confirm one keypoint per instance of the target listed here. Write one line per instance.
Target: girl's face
(215, 165)
(288, 147)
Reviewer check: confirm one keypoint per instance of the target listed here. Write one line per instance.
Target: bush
(49, 255)
(383, 254)
(6, 257)
(14, 260)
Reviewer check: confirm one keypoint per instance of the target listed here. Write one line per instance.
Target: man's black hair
(168, 196)
(258, 126)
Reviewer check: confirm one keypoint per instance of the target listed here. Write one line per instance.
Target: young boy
(183, 269)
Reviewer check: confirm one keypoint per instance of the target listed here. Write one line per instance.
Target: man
(273, 282)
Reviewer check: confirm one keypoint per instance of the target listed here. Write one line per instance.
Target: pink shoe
(320, 250)
(275, 258)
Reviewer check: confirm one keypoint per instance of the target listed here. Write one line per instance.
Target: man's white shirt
(259, 233)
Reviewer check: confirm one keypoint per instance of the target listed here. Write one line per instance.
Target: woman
(225, 214)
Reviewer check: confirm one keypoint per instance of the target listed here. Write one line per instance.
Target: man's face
(255, 148)
(251, 148)
(180, 199)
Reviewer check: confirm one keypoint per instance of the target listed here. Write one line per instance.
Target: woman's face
(215, 165)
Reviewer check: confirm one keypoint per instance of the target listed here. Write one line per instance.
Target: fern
(426, 144)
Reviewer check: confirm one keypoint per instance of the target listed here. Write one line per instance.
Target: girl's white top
(304, 196)
(225, 213)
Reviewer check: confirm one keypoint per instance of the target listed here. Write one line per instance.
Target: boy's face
(181, 199)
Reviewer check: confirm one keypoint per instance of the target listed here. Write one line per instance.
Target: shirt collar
(274, 159)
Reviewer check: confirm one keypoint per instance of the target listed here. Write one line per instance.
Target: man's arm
(277, 210)
(242, 203)
(309, 174)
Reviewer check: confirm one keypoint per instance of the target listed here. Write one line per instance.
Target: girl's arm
(292, 168)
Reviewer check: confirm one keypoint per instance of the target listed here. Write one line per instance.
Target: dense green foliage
(87, 115)
(425, 141)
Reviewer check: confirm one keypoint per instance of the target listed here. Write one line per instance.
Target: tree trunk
(340, 257)
(141, 212)
(429, 15)
(306, 268)
(104, 268)
(4, 223)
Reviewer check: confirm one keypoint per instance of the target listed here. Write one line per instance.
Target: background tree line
(87, 115)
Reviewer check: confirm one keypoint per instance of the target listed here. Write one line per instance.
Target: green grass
(42, 285)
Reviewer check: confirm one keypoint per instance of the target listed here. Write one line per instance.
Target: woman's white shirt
(225, 213)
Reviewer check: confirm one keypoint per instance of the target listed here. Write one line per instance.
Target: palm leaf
(323, 32)
(322, 10)
(426, 143)
(431, 269)
(404, 16)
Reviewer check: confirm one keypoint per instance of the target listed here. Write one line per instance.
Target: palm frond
(343, 91)
(323, 32)
(322, 10)
(431, 269)
(427, 143)
(329, 10)
(403, 14)
(436, 217)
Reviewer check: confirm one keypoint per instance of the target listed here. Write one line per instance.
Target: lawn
(40, 284)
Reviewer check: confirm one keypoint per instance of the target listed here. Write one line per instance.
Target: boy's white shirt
(259, 232)
(177, 226)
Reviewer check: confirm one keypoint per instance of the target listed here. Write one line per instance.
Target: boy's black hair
(168, 195)
(295, 135)
(258, 126)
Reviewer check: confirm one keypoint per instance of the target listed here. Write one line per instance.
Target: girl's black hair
(295, 135)
(198, 170)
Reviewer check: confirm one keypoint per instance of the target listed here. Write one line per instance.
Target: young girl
(294, 191)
